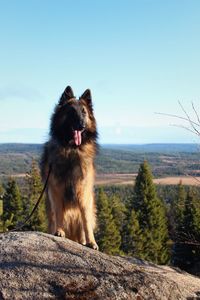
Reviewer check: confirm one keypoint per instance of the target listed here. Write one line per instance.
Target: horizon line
(112, 144)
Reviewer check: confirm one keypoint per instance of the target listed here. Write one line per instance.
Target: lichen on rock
(40, 266)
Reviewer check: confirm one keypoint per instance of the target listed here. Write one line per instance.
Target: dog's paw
(93, 245)
(60, 233)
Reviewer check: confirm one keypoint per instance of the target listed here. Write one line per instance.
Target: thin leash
(18, 228)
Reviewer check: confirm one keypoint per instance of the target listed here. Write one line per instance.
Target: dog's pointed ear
(87, 96)
(66, 95)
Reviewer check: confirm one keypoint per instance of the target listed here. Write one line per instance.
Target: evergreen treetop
(186, 251)
(12, 204)
(35, 186)
(108, 235)
(151, 214)
(178, 206)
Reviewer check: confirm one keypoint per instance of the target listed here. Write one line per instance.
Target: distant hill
(157, 148)
(165, 159)
(20, 148)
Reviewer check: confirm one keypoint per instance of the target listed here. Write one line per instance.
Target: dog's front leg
(50, 214)
(87, 217)
(60, 219)
(57, 207)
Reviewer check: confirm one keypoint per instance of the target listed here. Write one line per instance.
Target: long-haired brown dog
(70, 152)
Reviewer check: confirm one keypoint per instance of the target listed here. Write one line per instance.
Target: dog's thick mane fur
(68, 163)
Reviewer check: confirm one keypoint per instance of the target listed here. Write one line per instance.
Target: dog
(70, 154)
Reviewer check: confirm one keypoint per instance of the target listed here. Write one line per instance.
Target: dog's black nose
(81, 125)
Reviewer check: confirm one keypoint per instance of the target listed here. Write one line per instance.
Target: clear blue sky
(138, 57)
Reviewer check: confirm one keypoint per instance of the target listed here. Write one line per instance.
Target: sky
(138, 57)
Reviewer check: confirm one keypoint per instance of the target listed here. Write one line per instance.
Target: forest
(157, 223)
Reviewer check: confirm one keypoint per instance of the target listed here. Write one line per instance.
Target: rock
(40, 266)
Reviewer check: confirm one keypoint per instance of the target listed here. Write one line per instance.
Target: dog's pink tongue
(77, 137)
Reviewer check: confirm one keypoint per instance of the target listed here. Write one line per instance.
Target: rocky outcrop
(40, 266)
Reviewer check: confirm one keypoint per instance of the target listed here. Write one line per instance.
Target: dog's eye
(83, 111)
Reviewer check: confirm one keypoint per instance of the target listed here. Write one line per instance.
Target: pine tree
(1, 191)
(108, 235)
(1, 215)
(186, 250)
(177, 209)
(134, 244)
(1, 208)
(118, 210)
(12, 205)
(152, 219)
(38, 221)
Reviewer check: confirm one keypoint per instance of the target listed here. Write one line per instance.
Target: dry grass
(19, 175)
(122, 179)
(186, 180)
(128, 179)
(115, 179)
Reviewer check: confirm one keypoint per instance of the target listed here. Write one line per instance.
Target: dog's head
(73, 121)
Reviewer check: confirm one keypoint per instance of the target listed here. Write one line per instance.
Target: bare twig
(194, 109)
(192, 123)
(176, 116)
(186, 128)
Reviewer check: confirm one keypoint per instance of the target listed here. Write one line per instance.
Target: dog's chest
(71, 166)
